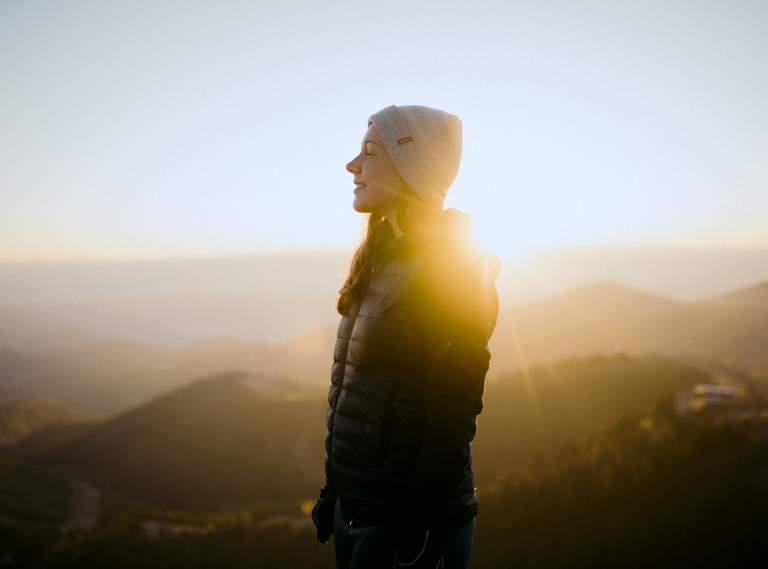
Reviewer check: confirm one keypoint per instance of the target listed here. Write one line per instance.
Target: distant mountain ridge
(19, 418)
(275, 296)
(231, 436)
(108, 377)
(756, 295)
(731, 329)
(604, 317)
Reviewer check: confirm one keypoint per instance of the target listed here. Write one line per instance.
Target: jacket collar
(448, 226)
(448, 237)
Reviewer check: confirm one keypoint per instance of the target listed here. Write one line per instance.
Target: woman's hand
(322, 513)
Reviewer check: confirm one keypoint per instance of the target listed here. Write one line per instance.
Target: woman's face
(378, 185)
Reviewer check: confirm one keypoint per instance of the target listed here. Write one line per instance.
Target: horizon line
(210, 256)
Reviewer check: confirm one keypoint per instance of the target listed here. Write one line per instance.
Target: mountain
(279, 295)
(109, 377)
(19, 418)
(16, 367)
(242, 438)
(533, 410)
(93, 379)
(606, 317)
(272, 296)
(749, 297)
(230, 437)
(50, 436)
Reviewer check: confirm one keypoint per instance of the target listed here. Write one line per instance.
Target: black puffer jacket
(407, 379)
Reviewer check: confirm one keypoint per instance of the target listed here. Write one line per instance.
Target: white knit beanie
(425, 146)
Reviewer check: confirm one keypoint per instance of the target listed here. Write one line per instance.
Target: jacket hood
(449, 223)
(450, 234)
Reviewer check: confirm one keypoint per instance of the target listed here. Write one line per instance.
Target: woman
(418, 307)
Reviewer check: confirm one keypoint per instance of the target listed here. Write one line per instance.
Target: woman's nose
(352, 166)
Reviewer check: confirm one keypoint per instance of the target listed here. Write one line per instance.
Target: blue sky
(147, 129)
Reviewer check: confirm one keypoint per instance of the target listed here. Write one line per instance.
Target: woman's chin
(359, 206)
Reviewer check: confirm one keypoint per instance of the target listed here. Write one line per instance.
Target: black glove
(322, 513)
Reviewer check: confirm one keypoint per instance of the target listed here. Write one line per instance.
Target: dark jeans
(375, 547)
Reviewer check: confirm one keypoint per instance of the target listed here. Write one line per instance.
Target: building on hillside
(719, 403)
(702, 395)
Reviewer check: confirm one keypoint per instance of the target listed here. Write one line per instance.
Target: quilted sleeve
(333, 396)
(334, 390)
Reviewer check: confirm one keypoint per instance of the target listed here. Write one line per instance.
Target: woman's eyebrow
(371, 141)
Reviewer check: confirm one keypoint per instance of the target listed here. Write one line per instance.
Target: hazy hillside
(533, 411)
(605, 317)
(51, 436)
(680, 273)
(109, 377)
(734, 330)
(271, 296)
(232, 437)
(601, 317)
(280, 295)
(747, 298)
(19, 418)
(223, 438)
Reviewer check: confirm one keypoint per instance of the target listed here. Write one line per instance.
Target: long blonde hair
(378, 234)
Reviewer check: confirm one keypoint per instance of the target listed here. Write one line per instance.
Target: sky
(148, 129)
